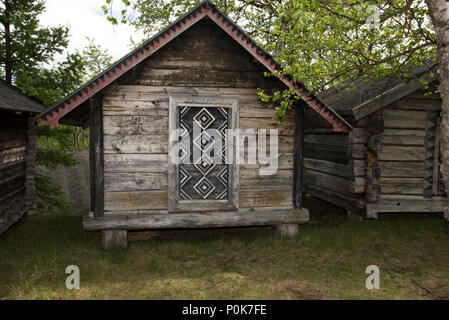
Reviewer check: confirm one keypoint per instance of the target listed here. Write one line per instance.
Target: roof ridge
(32, 99)
(190, 18)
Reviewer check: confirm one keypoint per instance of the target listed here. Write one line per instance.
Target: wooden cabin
(202, 66)
(390, 161)
(18, 150)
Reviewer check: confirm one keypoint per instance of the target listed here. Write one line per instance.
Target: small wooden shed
(201, 67)
(18, 149)
(390, 161)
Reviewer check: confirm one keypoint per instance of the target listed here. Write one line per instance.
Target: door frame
(174, 203)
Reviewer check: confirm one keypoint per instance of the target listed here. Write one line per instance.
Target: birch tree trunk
(439, 11)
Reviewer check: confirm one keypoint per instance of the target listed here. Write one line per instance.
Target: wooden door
(202, 177)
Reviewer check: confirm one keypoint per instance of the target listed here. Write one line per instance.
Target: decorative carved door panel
(203, 177)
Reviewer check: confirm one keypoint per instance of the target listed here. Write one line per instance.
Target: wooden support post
(97, 156)
(114, 239)
(375, 127)
(287, 230)
(371, 211)
(91, 161)
(298, 166)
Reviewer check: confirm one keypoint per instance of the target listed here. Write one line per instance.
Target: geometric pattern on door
(203, 179)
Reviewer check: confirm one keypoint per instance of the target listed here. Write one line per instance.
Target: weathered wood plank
(404, 204)
(135, 181)
(406, 119)
(248, 96)
(391, 169)
(353, 203)
(418, 103)
(401, 185)
(158, 108)
(254, 174)
(12, 155)
(336, 154)
(135, 144)
(337, 169)
(285, 145)
(327, 181)
(267, 184)
(135, 125)
(403, 137)
(136, 163)
(251, 178)
(265, 198)
(12, 169)
(401, 153)
(327, 139)
(285, 161)
(136, 200)
(267, 123)
(196, 220)
(13, 199)
(12, 184)
(12, 141)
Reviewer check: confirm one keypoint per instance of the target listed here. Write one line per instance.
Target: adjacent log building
(390, 161)
(200, 67)
(18, 137)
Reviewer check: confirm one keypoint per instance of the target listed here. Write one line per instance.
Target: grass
(326, 261)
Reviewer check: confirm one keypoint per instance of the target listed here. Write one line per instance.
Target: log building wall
(203, 61)
(17, 166)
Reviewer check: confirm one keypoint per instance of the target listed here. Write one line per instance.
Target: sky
(86, 19)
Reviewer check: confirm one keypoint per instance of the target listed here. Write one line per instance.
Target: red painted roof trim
(52, 116)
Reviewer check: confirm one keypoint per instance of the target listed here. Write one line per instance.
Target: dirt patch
(303, 291)
(432, 288)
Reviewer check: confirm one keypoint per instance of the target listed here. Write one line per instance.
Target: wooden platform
(196, 220)
(406, 203)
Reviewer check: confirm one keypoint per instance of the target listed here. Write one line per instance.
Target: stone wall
(74, 181)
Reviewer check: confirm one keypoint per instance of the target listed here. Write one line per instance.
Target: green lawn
(326, 261)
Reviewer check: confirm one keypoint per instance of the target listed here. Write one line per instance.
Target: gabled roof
(13, 100)
(365, 98)
(204, 9)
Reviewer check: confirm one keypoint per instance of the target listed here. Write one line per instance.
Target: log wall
(333, 168)
(17, 167)
(404, 157)
(389, 162)
(203, 61)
